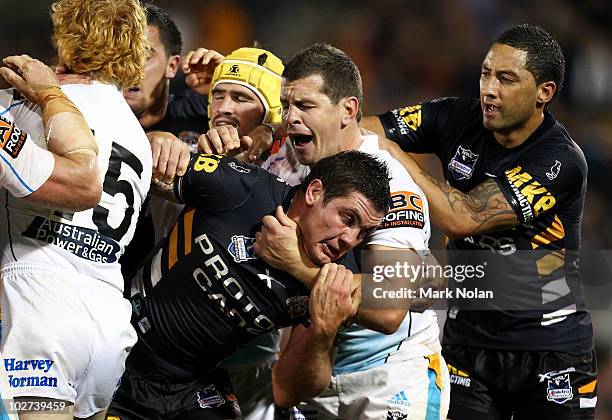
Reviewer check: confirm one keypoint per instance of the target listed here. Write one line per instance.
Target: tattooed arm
(458, 214)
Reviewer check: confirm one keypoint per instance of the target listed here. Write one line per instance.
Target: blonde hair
(106, 38)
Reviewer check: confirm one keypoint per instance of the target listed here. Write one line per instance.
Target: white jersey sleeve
(89, 242)
(24, 166)
(406, 225)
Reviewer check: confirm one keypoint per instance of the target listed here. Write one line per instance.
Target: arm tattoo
(485, 205)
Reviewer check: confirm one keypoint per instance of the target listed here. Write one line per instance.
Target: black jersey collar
(289, 197)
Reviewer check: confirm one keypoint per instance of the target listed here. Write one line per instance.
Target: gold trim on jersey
(173, 245)
(552, 233)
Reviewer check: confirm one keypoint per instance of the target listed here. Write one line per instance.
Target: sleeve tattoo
(485, 205)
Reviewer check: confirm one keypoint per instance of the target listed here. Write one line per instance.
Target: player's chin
(305, 157)
(493, 123)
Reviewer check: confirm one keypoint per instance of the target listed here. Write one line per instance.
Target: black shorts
(147, 395)
(493, 384)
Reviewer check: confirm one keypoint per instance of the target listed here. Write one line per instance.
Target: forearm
(75, 183)
(385, 321)
(305, 273)
(65, 127)
(458, 214)
(304, 368)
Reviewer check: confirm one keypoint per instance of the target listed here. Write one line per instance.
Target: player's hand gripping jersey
(544, 179)
(205, 292)
(89, 242)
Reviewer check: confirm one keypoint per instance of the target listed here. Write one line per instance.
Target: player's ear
(349, 107)
(314, 192)
(546, 92)
(173, 64)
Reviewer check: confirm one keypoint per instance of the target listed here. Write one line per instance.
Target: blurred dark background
(410, 51)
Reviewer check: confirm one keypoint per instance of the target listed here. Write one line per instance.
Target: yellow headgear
(260, 71)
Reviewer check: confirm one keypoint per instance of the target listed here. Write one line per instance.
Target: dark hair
(169, 34)
(544, 55)
(352, 171)
(341, 78)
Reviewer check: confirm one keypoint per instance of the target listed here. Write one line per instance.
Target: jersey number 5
(113, 186)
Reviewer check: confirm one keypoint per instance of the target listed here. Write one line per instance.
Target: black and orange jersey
(204, 292)
(536, 270)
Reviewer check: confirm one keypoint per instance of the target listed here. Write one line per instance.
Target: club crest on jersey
(559, 389)
(209, 397)
(554, 170)
(241, 248)
(462, 164)
(297, 306)
(396, 415)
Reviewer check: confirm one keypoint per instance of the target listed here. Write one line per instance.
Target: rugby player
(66, 330)
(321, 97)
(66, 175)
(205, 292)
(243, 101)
(159, 111)
(244, 93)
(526, 180)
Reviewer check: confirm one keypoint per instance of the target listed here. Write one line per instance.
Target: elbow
(93, 195)
(283, 395)
(391, 325)
(289, 393)
(456, 229)
(90, 194)
(283, 400)
(87, 199)
(389, 321)
(286, 399)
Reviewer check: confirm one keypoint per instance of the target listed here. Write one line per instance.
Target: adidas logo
(399, 399)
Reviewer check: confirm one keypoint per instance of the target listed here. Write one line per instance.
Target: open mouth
(490, 109)
(299, 140)
(218, 122)
(131, 91)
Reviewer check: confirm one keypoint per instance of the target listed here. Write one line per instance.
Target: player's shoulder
(399, 174)
(81, 91)
(97, 97)
(106, 111)
(454, 104)
(555, 142)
